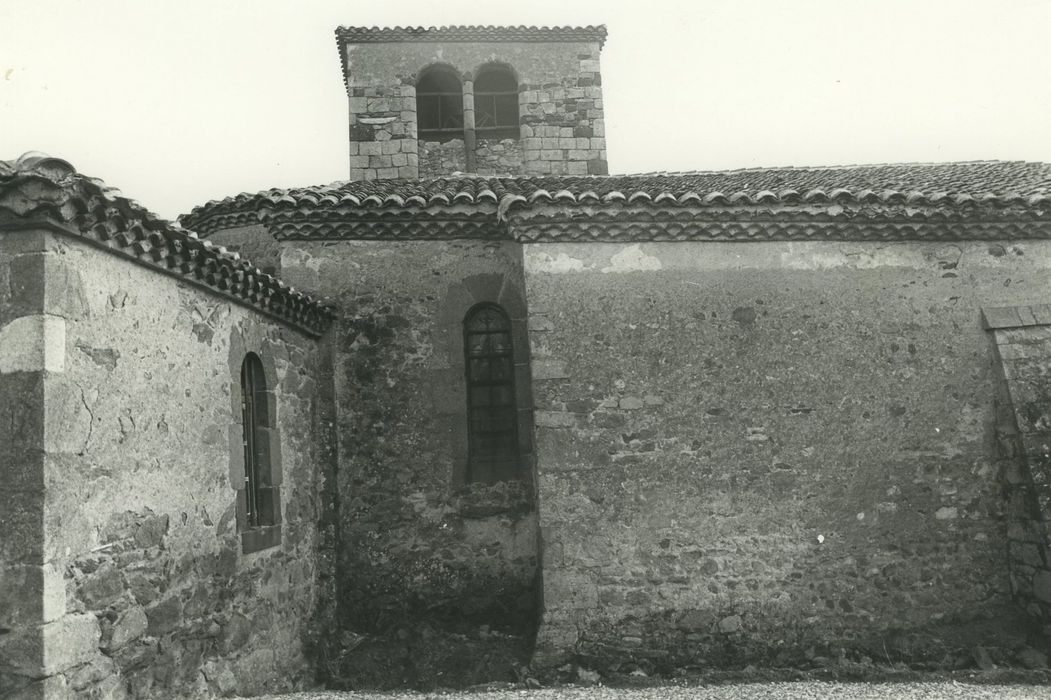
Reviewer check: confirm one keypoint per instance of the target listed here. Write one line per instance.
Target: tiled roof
(361, 35)
(39, 189)
(915, 191)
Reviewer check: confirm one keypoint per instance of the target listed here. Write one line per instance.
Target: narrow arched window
(439, 105)
(492, 416)
(496, 104)
(259, 493)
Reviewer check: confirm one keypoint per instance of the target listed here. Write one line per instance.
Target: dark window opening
(439, 106)
(496, 105)
(492, 415)
(260, 495)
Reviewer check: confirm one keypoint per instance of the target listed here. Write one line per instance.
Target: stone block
(22, 528)
(164, 617)
(27, 284)
(64, 295)
(129, 626)
(387, 173)
(33, 343)
(1000, 317)
(1026, 314)
(68, 641)
(151, 531)
(21, 433)
(235, 633)
(30, 594)
(598, 167)
(101, 587)
(371, 148)
(731, 624)
(1042, 313)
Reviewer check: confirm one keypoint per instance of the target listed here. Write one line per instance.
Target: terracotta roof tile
(923, 190)
(39, 188)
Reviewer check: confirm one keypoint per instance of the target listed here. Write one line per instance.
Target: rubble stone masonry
(757, 451)
(419, 547)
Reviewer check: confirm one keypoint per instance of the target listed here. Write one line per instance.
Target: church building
(484, 408)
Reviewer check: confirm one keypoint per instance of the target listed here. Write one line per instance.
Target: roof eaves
(36, 189)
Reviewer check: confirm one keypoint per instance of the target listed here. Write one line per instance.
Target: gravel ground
(804, 690)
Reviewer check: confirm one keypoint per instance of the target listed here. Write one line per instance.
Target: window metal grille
(492, 421)
(496, 104)
(255, 419)
(439, 106)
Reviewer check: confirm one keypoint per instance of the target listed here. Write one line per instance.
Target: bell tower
(431, 102)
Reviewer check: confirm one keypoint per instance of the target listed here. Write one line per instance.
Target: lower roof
(914, 193)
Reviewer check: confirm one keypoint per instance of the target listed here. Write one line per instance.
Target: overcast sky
(179, 102)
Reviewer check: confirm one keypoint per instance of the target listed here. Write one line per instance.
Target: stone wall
(498, 157)
(770, 451)
(421, 552)
(146, 590)
(560, 107)
(1022, 338)
(492, 157)
(442, 159)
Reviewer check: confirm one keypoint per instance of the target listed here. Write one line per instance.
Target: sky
(176, 102)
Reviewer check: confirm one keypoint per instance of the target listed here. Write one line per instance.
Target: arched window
(439, 105)
(496, 104)
(492, 423)
(259, 497)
